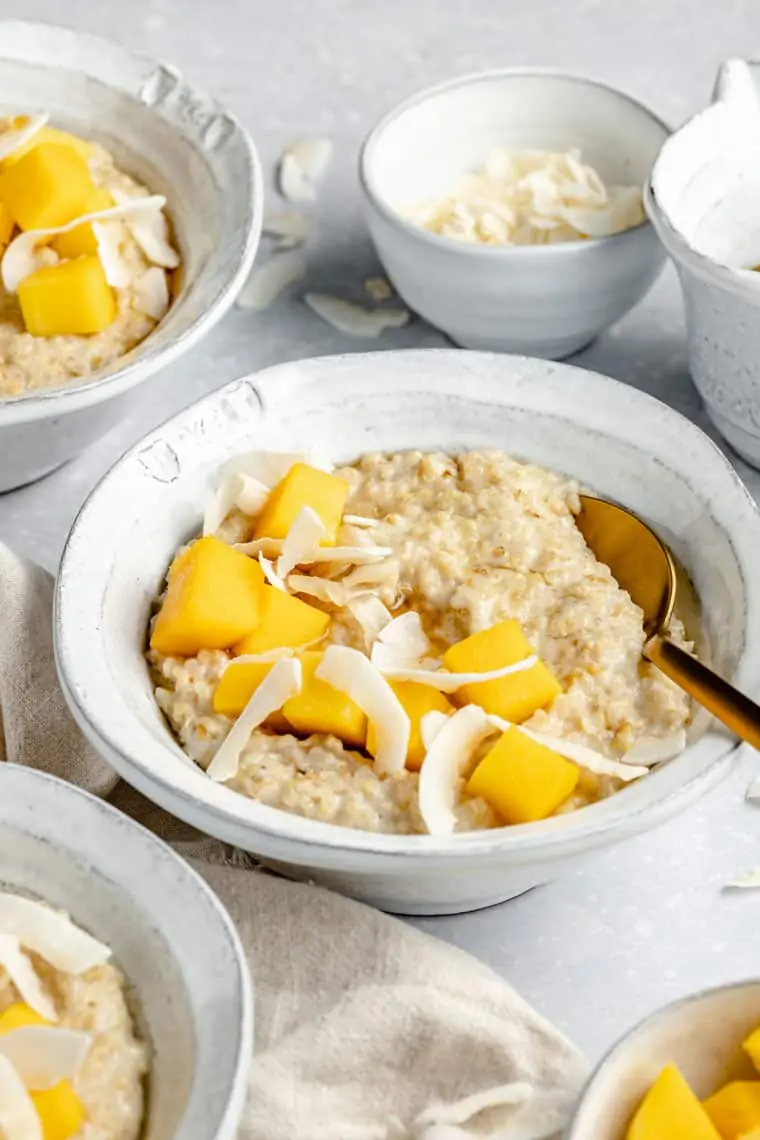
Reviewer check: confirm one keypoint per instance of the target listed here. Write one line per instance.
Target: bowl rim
(147, 361)
(452, 245)
(627, 1038)
(546, 840)
(226, 1123)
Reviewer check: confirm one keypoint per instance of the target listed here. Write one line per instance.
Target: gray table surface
(647, 921)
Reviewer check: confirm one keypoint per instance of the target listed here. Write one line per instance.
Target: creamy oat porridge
(79, 295)
(416, 642)
(71, 1064)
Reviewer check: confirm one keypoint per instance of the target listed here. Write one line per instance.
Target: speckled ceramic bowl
(179, 142)
(610, 436)
(191, 995)
(702, 1034)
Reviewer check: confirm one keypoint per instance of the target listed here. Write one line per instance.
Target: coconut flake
(401, 643)
(150, 229)
(11, 140)
(266, 282)
(325, 589)
(444, 764)
(302, 167)
(450, 682)
(359, 521)
(651, 750)
(19, 1119)
(151, 291)
(21, 972)
(302, 539)
(282, 682)
(43, 1055)
(243, 492)
(753, 791)
(288, 228)
(270, 573)
(356, 554)
(747, 881)
(355, 320)
(268, 655)
(269, 467)
(20, 258)
(354, 674)
(117, 271)
(50, 934)
(378, 288)
(430, 725)
(272, 547)
(371, 616)
(579, 754)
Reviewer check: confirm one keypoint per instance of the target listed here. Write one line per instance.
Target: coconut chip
(282, 682)
(445, 763)
(352, 319)
(449, 682)
(266, 282)
(43, 1055)
(151, 290)
(371, 616)
(150, 229)
(21, 972)
(747, 881)
(430, 725)
(270, 573)
(269, 467)
(302, 167)
(288, 228)
(378, 288)
(359, 521)
(401, 644)
(300, 542)
(352, 673)
(19, 1119)
(325, 589)
(271, 547)
(753, 791)
(50, 934)
(241, 491)
(651, 750)
(355, 554)
(11, 140)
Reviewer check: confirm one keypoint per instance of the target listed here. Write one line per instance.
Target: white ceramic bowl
(180, 143)
(702, 1034)
(192, 995)
(545, 301)
(612, 437)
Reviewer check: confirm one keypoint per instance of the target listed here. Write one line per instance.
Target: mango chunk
(285, 620)
(60, 1111)
(6, 226)
(417, 701)
(522, 780)
(81, 241)
(72, 298)
(49, 135)
(321, 708)
(47, 187)
(670, 1111)
(18, 1016)
(213, 599)
(735, 1109)
(237, 684)
(751, 1046)
(303, 486)
(514, 697)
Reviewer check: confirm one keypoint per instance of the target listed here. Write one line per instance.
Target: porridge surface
(476, 539)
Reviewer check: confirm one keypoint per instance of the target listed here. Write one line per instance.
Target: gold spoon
(646, 570)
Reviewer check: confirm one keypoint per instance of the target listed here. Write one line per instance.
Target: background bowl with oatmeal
(561, 419)
(139, 125)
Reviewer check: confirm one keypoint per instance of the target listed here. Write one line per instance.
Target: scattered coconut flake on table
(282, 682)
(302, 167)
(43, 1055)
(354, 674)
(50, 934)
(529, 198)
(287, 228)
(378, 288)
(401, 644)
(447, 682)
(16, 137)
(354, 319)
(651, 750)
(266, 282)
(445, 763)
(748, 881)
(21, 972)
(19, 1119)
(302, 539)
(151, 291)
(753, 791)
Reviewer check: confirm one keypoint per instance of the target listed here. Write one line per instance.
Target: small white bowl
(192, 995)
(545, 301)
(608, 435)
(702, 1034)
(179, 142)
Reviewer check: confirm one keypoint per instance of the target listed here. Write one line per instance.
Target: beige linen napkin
(365, 1028)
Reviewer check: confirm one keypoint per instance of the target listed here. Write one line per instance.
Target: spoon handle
(726, 703)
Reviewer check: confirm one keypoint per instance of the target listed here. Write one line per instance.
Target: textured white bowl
(612, 437)
(191, 995)
(545, 301)
(180, 143)
(702, 1034)
(704, 201)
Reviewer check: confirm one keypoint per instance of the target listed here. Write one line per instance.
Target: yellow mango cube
(321, 708)
(417, 701)
(72, 298)
(735, 1109)
(81, 241)
(670, 1111)
(213, 599)
(7, 225)
(522, 780)
(60, 1111)
(303, 486)
(47, 187)
(18, 1016)
(751, 1046)
(285, 621)
(514, 697)
(49, 135)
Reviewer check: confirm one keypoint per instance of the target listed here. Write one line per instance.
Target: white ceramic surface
(702, 1034)
(191, 995)
(547, 301)
(613, 438)
(180, 143)
(704, 200)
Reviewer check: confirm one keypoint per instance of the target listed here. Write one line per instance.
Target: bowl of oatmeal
(130, 214)
(116, 1022)
(506, 207)
(438, 545)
